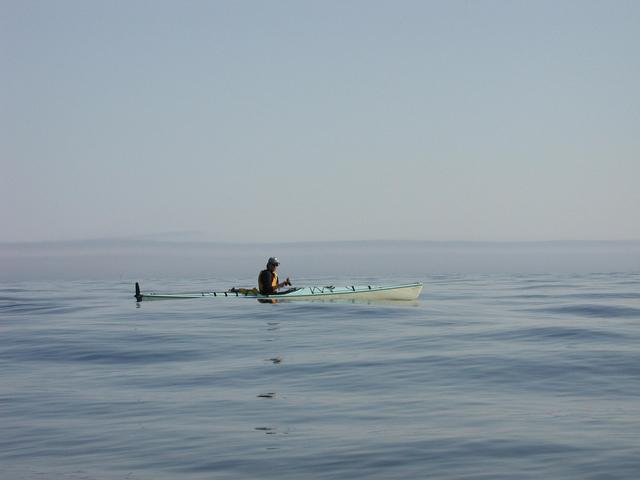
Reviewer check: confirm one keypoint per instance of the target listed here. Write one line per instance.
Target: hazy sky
(320, 120)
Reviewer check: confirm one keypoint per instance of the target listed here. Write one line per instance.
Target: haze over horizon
(320, 121)
(188, 238)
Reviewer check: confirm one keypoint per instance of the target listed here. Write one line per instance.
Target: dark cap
(273, 261)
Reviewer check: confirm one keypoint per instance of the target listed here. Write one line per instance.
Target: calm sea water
(485, 377)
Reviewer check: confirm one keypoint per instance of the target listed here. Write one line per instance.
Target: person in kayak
(268, 279)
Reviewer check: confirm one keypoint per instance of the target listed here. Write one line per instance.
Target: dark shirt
(265, 279)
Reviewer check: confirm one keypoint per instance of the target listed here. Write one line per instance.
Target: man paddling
(268, 278)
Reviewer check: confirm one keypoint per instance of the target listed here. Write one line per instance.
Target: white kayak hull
(406, 292)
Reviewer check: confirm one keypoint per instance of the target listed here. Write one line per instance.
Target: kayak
(409, 291)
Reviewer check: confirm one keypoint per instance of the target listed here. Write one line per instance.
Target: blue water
(485, 377)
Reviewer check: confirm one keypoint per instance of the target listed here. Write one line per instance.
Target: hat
(273, 261)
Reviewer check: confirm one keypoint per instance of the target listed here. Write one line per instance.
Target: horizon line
(156, 241)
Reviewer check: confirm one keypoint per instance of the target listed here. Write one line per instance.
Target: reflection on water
(272, 431)
(267, 395)
(267, 430)
(273, 332)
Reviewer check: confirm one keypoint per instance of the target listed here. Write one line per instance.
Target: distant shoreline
(405, 259)
(119, 242)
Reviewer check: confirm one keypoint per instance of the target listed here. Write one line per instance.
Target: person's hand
(287, 282)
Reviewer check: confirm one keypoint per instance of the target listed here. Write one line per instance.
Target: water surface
(485, 377)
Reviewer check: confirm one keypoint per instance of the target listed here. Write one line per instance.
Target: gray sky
(320, 120)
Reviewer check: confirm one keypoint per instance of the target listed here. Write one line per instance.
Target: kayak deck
(406, 292)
